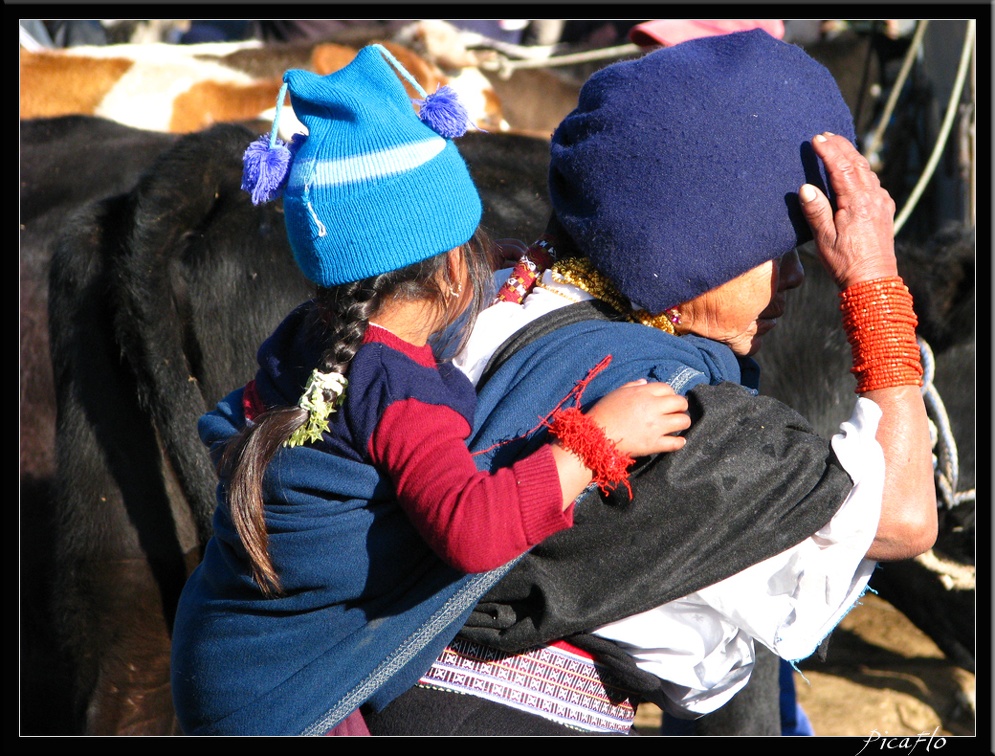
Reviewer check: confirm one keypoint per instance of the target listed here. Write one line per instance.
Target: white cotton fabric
(497, 323)
(703, 645)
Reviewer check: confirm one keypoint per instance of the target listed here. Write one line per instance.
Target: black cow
(158, 299)
(65, 163)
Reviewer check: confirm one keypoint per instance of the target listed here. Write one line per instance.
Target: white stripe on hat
(368, 167)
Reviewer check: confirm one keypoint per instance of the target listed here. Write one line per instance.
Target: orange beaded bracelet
(880, 325)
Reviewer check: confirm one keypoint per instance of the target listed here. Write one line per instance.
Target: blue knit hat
(679, 171)
(374, 186)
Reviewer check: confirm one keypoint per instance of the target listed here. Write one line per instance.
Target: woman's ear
(682, 316)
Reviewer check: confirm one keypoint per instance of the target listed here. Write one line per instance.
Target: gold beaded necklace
(580, 272)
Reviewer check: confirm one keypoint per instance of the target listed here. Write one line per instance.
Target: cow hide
(186, 88)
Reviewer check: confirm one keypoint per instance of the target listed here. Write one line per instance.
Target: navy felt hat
(679, 171)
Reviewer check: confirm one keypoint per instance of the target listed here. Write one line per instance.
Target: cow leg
(119, 562)
(131, 692)
(109, 595)
(118, 601)
(941, 605)
(46, 672)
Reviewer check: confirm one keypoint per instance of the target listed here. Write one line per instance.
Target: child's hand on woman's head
(507, 252)
(641, 417)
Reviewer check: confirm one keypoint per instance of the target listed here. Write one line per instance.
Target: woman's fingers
(819, 214)
(856, 240)
(848, 170)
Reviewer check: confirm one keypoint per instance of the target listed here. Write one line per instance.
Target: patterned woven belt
(552, 682)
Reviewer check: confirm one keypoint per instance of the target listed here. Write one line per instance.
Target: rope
(896, 88)
(945, 459)
(941, 140)
(505, 67)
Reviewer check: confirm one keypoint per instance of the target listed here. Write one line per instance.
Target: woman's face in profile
(739, 312)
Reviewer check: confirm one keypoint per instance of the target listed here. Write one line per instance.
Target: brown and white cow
(186, 88)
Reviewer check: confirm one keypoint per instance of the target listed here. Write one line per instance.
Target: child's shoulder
(382, 370)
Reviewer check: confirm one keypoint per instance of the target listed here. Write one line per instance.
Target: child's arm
(476, 520)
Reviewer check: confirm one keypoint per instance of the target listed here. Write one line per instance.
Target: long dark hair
(340, 317)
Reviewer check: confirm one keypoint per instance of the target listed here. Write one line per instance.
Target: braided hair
(340, 318)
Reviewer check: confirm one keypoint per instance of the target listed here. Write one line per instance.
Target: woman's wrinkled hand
(857, 242)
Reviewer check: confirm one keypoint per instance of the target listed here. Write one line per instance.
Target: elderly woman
(681, 186)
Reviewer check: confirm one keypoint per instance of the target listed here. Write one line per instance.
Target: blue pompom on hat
(373, 187)
(679, 171)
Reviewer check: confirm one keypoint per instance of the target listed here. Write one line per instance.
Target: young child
(347, 453)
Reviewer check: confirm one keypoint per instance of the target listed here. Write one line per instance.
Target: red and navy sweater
(410, 417)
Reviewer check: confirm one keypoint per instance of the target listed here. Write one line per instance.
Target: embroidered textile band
(553, 683)
(880, 325)
(539, 256)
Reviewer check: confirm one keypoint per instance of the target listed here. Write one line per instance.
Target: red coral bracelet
(880, 325)
(585, 438)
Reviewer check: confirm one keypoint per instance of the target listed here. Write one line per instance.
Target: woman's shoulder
(638, 349)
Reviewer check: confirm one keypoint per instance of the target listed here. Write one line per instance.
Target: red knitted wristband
(585, 438)
(880, 325)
